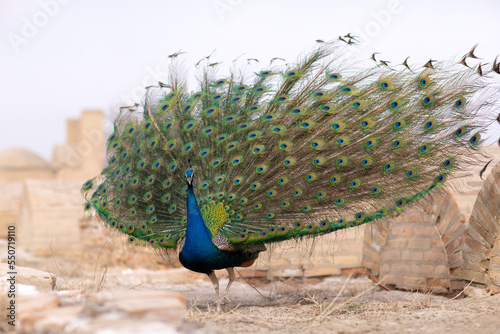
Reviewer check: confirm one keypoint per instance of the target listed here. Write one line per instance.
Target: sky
(60, 57)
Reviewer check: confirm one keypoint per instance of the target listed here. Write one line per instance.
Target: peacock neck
(197, 233)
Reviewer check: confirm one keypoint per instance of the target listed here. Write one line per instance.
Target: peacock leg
(215, 282)
(230, 271)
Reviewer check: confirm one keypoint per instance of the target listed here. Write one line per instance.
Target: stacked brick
(440, 245)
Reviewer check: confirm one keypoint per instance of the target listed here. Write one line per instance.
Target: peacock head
(189, 176)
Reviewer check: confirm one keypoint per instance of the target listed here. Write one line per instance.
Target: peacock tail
(302, 150)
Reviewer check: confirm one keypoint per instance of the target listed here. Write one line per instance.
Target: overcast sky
(59, 57)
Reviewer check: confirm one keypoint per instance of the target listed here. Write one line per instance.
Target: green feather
(289, 153)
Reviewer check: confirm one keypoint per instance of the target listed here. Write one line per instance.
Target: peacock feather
(297, 151)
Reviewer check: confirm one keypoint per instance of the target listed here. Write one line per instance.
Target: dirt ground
(330, 305)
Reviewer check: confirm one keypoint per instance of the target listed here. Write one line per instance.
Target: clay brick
(440, 283)
(441, 269)
(371, 254)
(453, 245)
(347, 259)
(459, 224)
(477, 277)
(414, 282)
(354, 271)
(422, 269)
(457, 285)
(253, 273)
(455, 259)
(319, 272)
(413, 217)
(396, 243)
(374, 268)
(424, 230)
(477, 247)
(482, 231)
(398, 267)
(419, 243)
(407, 254)
(402, 230)
(456, 272)
(437, 244)
(477, 236)
(391, 279)
(391, 254)
(433, 256)
(481, 215)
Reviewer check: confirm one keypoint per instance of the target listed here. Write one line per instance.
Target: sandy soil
(329, 305)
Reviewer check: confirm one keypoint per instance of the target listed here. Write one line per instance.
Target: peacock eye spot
(394, 104)
(423, 82)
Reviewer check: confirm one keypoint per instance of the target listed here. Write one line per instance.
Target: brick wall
(441, 244)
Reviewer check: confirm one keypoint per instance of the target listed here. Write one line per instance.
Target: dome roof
(19, 158)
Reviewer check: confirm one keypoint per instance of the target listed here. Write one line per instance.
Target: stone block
(29, 276)
(476, 292)
(152, 304)
(55, 319)
(29, 304)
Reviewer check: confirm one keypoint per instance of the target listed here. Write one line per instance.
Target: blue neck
(197, 233)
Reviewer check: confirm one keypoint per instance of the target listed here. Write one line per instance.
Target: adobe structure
(43, 198)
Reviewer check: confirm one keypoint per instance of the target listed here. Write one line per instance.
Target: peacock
(290, 151)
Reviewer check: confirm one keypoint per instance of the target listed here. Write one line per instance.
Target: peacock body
(301, 151)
